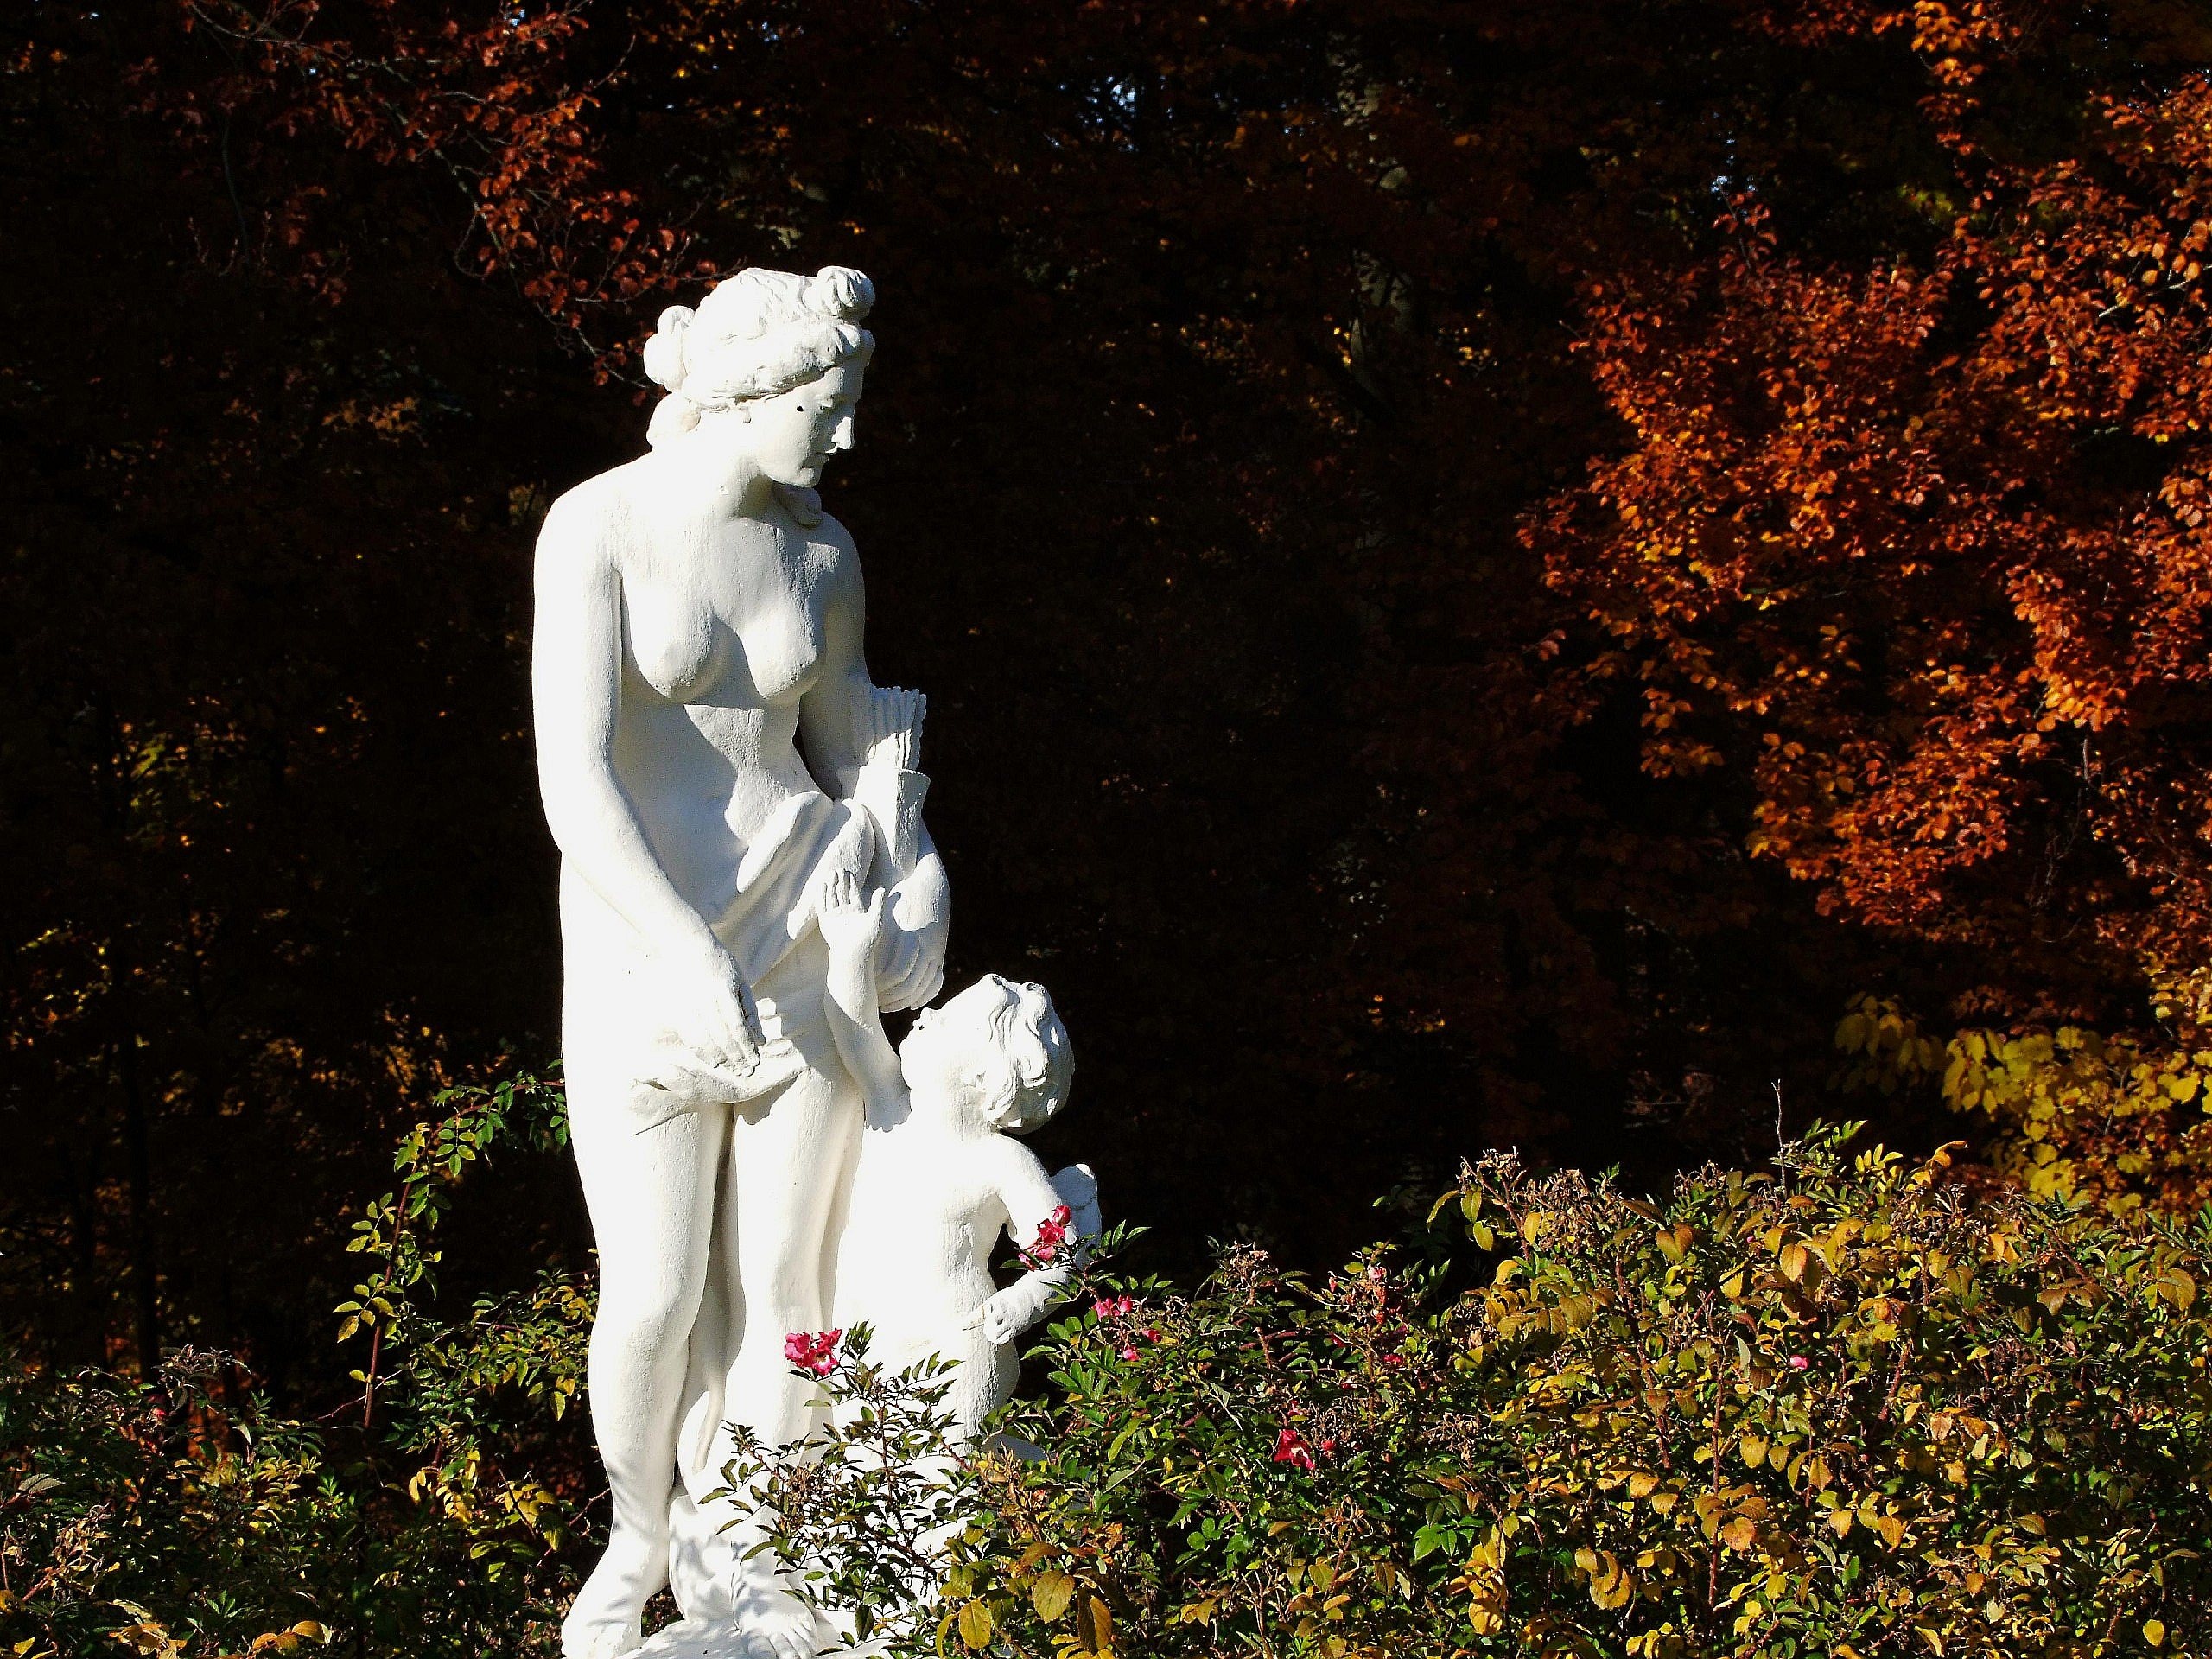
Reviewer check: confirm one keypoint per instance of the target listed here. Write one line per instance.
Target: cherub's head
(998, 1048)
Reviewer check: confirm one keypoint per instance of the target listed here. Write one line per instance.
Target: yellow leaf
(975, 1625)
(1641, 1483)
(2154, 1632)
(1794, 1258)
(1050, 1594)
(1752, 1449)
(1094, 1624)
(1611, 1587)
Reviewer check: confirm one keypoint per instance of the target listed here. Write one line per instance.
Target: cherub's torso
(926, 1217)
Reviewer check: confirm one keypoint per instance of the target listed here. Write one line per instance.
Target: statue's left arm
(832, 715)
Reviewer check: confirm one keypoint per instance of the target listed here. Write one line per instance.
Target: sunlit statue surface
(940, 1180)
(706, 732)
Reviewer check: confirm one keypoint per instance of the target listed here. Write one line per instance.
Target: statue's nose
(842, 437)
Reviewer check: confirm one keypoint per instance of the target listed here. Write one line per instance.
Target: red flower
(814, 1351)
(1051, 1234)
(1291, 1448)
(1116, 1307)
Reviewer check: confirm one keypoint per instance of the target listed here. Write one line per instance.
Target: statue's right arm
(576, 692)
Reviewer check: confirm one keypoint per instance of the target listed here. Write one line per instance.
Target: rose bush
(1855, 1407)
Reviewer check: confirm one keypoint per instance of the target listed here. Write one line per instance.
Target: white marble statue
(940, 1179)
(703, 714)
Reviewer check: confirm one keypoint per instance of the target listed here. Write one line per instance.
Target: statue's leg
(788, 1164)
(651, 1198)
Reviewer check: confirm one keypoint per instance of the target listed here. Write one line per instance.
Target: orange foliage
(1920, 548)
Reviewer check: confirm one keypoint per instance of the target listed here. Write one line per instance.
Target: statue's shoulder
(578, 526)
(601, 496)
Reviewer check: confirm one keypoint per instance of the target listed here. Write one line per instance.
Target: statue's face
(945, 1054)
(795, 433)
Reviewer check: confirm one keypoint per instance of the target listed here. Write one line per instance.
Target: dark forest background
(1224, 478)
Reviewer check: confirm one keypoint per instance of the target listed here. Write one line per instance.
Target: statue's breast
(677, 644)
(745, 632)
(780, 644)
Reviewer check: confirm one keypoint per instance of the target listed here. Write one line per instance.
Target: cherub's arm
(853, 931)
(1053, 1220)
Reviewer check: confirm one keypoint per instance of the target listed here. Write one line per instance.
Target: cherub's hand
(1007, 1314)
(887, 726)
(851, 926)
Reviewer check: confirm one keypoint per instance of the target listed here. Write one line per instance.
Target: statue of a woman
(701, 706)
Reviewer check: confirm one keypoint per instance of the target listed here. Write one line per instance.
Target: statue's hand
(913, 969)
(887, 726)
(1008, 1313)
(851, 926)
(710, 1009)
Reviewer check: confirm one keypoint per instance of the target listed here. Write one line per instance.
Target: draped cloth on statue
(768, 925)
(617, 1028)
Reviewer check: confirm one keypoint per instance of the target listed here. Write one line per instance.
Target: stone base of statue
(693, 1639)
(698, 1638)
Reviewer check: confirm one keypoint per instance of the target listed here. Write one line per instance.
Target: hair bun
(841, 291)
(665, 351)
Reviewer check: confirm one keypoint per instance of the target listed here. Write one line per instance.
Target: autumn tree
(1915, 547)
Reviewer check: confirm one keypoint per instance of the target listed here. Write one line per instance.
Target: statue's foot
(597, 1638)
(776, 1624)
(607, 1619)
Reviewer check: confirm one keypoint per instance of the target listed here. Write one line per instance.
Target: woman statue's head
(781, 354)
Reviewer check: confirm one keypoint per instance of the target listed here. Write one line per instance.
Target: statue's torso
(725, 626)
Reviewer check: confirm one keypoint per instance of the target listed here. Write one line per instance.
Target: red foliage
(500, 107)
(1920, 548)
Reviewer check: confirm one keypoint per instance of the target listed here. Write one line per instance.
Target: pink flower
(1291, 1448)
(1128, 1354)
(1051, 1234)
(1116, 1307)
(814, 1351)
(1798, 1363)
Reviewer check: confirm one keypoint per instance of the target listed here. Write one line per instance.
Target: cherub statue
(939, 1176)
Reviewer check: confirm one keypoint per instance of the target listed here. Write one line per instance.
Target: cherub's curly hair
(758, 333)
(1036, 1061)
